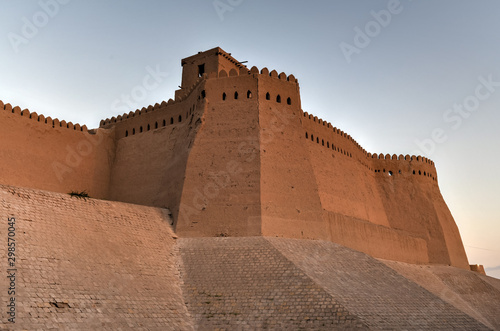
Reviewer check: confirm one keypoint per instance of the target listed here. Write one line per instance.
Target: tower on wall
(235, 155)
(213, 60)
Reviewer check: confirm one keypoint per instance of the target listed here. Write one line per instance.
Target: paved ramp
(89, 265)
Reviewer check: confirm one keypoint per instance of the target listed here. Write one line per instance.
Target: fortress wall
(157, 116)
(221, 192)
(376, 240)
(345, 185)
(53, 155)
(399, 192)
(409, 207)
(453, 240)
(354, 210)
(330, 137)
(290, 203)
(149, 167)
(414, 203)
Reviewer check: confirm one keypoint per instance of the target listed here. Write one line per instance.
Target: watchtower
(213, 60)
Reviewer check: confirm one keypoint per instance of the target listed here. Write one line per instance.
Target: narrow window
(133, 131)
(249, 95)
(149, 128)
(126, 133)
(414, 172)
(235, 95)
(224, 96)
(322, 142)
(419, 172)
(156, 125)
(171, 120)
(312, 137)
(288, 101)
(307, 135)
(164, 122)
(327, 144)
(201, 70)
(180, 118)
(203, 94)
(317, 140)
(268, 96)
(140, 129)
(278, 99)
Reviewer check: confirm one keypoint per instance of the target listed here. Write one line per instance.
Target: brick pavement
(90, 264)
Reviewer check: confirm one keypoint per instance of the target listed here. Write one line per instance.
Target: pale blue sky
(399, 85)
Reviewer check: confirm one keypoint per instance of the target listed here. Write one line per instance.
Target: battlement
(336, 139)
(233, 153)
(55, 123)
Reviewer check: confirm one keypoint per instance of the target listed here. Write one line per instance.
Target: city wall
(235, 155)
(45, 153)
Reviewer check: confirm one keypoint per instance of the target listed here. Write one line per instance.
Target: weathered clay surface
(235, 154)
(101, 265)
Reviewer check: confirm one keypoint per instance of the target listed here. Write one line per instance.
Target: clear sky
(403, 77)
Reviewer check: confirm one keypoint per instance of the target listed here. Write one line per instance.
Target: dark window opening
(201, 70)
(164, 122)
(327, 144)
(126, 133)
(235, 95)
(312, 137)
(288, 101)
(268, 96)
(203, 94)
(307, 135)
(224, 96)
(149, 128)
(278, 99)
(249, 95)
(180, 118)
(317, 140)
(133, 131)
(140, 129)
(156, 125)
(322, 142)
(171, 120)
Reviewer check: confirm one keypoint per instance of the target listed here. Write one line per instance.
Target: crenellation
(295, 185)
(233, 73)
